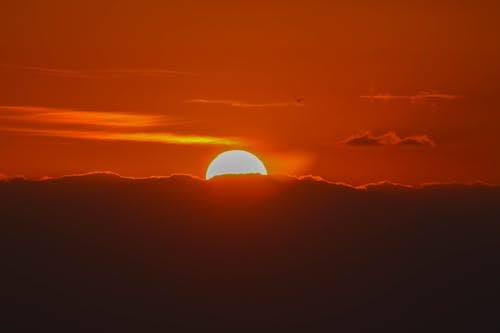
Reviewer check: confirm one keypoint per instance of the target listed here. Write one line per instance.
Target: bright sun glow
(235, 162)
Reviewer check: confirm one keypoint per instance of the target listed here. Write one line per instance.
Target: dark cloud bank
(247, 254)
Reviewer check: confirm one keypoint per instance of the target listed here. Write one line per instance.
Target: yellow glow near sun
(233, 162)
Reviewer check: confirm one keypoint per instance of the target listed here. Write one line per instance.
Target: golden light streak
(80, 117)
(157, 137)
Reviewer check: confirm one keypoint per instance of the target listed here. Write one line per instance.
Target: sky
(354, 91)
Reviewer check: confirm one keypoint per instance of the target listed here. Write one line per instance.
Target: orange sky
(391, 90)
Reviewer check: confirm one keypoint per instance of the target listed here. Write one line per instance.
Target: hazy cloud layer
(389, 138)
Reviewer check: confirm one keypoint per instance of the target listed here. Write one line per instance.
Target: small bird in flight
(299, 100)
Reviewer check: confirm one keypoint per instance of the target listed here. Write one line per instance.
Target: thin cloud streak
(390, 138)
(101, 74)
(154, 137)
(420, 97)
(80, 117)
(112, 126)
(239, 104)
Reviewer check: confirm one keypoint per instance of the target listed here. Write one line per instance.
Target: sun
(235, 162)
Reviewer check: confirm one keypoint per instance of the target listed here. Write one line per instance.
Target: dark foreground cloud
(247, 254)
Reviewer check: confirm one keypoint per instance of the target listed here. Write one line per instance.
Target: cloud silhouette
(389, 138)
(242, 253)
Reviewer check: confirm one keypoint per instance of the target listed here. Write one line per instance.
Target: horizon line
(273, 176)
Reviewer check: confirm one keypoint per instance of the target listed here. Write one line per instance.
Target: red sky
(355, 92)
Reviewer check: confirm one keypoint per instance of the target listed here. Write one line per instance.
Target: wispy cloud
(106, 126)
(389, 138)
(100, 74)
(157, 137)
(420, 97)
(240, 104)
(80, 117)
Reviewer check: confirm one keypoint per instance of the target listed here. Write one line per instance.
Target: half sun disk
(235, 162)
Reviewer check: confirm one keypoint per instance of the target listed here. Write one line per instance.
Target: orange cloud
(157, 137)
(80, 117)
(113, 126)
(420, 97)
(389, 138)
(238, 104)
